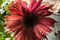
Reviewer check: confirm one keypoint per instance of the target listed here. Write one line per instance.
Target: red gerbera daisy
(29, 23)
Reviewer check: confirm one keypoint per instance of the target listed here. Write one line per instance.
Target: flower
(29, 22)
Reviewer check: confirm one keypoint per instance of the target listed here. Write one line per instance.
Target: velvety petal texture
(29, 22)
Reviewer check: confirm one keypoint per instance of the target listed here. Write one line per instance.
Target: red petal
(40, 29)
(20, 29)
(15, 8)
(13, 17)
(19, 36)
(36, 6)
(39, 8)
(14, 29)
(45, 28)
(28, 34)
(43, 12)
(32, 3)
(12, 24)
(25, 9)
(47, 21)
(37, 33)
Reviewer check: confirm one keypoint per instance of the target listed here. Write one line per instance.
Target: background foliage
(3, 34)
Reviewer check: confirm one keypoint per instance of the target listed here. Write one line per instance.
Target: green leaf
(3, 34)
(1, 1)
(7, 35)
(6, 8)
(1, 38)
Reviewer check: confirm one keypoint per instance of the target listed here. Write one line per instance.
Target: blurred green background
(3, 34)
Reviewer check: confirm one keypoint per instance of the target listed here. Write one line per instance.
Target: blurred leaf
(1, 37)
(3, 34)
(6, 8)
(1, 1)
(7, 35)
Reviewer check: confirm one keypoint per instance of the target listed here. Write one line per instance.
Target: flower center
(30, 20)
